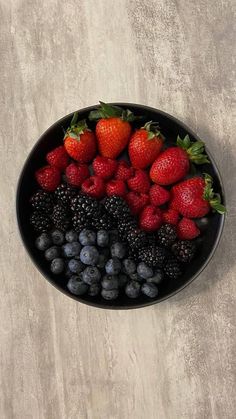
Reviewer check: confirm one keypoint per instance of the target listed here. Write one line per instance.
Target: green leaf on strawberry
(111, 111)
(195, 149)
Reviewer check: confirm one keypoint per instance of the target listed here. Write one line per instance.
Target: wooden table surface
(61, 359)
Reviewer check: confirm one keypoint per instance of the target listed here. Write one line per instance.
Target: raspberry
(94, 186)
(150, 218)
(124, 170)
(76, 174)
(140, 182)
(171, 216)
(48, 177)
(116, 187)
(158, 195)
(136, 201)
(58, 157)
(187, 229)
(104, 167)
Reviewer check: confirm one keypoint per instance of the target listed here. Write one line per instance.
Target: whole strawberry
(80, 141)
(58, 157)
(116, 187)
(170, 216)
(113, 129)
(136, 201)
(145, 145)
(139, 182)
(124, 170)
(104, 167)
(158, 195)
(76, 174)
(194, 198)
(187, 229)
(150, 218)
(94, 186)
(173, 164)
(48, 177)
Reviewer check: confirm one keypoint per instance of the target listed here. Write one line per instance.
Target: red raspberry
(58, 157)
(124, 170)
(48, 177)
(116, 187)
(76, 174)
(140, 182)
(187, 229)
(94, 186)
(150, 218)
(171, 216)
(158, 195)
(104, 167)
(136, 201)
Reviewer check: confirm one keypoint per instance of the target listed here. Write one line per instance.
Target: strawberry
(116, 187)
(124, 170)
(48, 177)
(136, 201)
(80, 141)
(193, 198)
(173, 164)
(58, 157)
(139, 182)
(145, 145)
(113, 129)
(104, 167)
(170, 216)
(150, 218)
(76, 174)
(158, 195)
(187, 229)
(94, 186)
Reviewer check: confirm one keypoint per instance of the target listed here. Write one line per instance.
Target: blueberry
(57, 237)
(52, 253)
(57, 266)
(43, 242)
(132, 289)
(113, 266)
(129, 266)
(122, 280)
(144, 271)
(94, 290)
(101, 261)
(91, 275)
(75, 266)
(71, 249)
(76, 286)
(102, 238)
(89, 255)
(71, 236)
(87, 237)
(110, 282)
(113, 236)
(150, 290)
(109, 294)
(157, 278)
(118, 250)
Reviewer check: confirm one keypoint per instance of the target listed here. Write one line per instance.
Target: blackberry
(125, 226)
(85, 204)
(152, 256)
(184, 250)
(166, 235)
(103, 221)
(133, 254)
(172, 268)
(42, 201)
(117, 207)
(60, 217)
(80, 221)
(64, 193)
(136, 238)
(40, 221)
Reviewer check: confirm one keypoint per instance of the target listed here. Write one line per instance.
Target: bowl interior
(27, 185)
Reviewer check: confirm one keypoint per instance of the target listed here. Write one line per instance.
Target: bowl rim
(146, 303)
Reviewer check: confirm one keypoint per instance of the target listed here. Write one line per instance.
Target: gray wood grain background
(63, 360)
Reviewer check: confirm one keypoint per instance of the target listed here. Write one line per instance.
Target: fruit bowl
(53, 137)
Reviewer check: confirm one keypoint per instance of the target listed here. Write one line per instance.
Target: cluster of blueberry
(97, 263)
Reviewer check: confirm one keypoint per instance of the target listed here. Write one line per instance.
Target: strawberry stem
(110, 111)
(213, 198)
(195, 149)
(76, 128)
(153, 130)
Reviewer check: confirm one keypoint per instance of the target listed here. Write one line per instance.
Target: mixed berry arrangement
(113, 225)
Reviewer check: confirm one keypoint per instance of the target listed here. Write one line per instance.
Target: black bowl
(170, 127)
